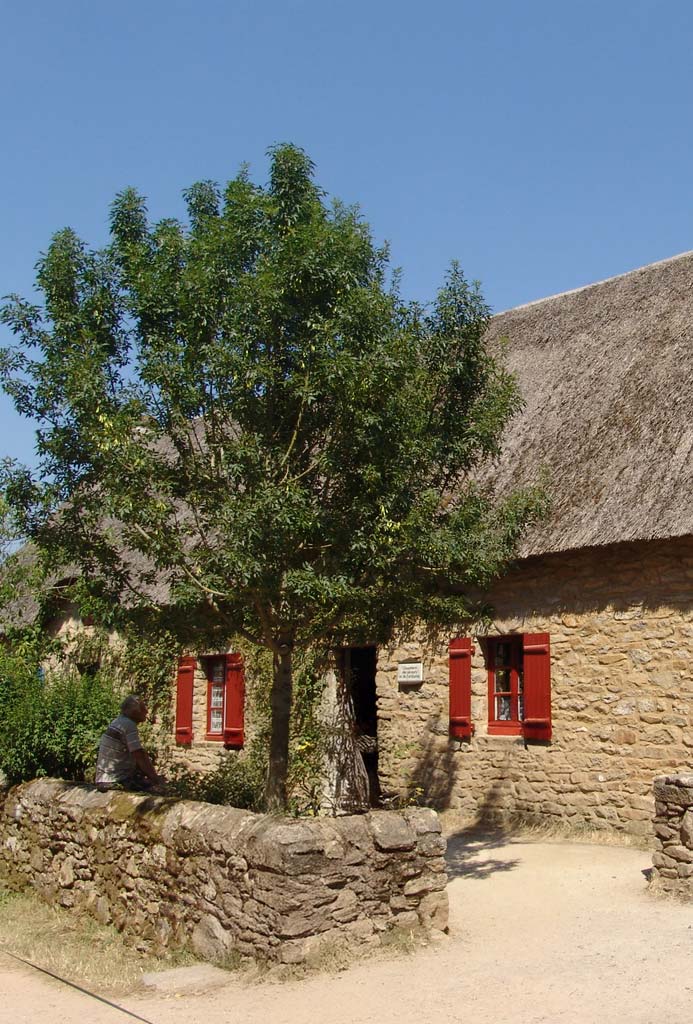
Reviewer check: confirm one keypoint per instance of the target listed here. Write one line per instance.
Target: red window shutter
(184, 700)
(536, 664)
(234, 704)
(460, 660)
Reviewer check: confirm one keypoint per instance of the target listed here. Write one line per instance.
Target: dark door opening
(362, 669)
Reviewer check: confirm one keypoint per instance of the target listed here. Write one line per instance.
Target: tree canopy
(245, 430)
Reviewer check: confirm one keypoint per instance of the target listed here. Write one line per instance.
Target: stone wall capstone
(673, 825)
(178, 874)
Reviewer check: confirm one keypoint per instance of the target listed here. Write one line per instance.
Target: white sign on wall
(410, 672)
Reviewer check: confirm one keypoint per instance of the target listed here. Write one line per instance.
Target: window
(216, 677)
(519, 685)
(506, 685)
(88, 668)
(225, 699)
(223, 704)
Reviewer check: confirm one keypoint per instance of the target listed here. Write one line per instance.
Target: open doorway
(361, 664)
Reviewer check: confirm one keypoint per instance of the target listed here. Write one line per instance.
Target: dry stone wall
(620, 621)
(673, 856)
(216, 879)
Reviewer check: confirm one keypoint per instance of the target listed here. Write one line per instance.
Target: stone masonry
(217, 880)
(673, 856)
(620, 621)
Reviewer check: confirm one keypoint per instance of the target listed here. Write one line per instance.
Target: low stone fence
(673, 857)
(177, 874)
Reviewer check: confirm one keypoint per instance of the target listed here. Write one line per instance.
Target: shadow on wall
(464, 857)
(434, 775)
(434, 779)
(650, 575)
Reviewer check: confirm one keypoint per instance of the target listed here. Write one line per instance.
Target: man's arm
(143, 762)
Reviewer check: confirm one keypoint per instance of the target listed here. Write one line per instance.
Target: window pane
(503, 709)
(503, 680)
(216, 697)
(215, 721)
(521, 704)
(503, 653)
(217, 673)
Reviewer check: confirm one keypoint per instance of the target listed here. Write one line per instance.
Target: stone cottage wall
(217, 879)
(621, 626)
(673, 856)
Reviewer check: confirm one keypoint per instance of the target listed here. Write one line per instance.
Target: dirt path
(552, 932)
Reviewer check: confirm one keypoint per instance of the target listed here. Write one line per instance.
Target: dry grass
(571, 834)
(78, 949)
(73, 946)
(333, 956)
(518, 829)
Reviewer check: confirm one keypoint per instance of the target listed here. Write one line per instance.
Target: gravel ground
(540, 931)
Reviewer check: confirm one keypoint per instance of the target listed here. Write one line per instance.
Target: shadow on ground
(465, 854)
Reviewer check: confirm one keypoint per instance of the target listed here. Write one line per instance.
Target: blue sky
(543, 144)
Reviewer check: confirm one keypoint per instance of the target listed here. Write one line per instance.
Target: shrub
(308, 747)
(50, 725)
(237, 782)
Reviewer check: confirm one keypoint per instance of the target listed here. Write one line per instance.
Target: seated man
(121, 762)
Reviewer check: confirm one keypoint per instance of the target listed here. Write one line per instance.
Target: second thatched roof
(606, 373)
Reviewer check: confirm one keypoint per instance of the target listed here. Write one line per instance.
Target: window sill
(505, 729)
(499, 742)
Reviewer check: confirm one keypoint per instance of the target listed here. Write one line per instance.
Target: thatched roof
(20, 606)
(606, 373)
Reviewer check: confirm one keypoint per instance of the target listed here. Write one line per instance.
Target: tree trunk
(281, 699)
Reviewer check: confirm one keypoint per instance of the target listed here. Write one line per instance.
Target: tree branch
(181, 565)
(294, 436)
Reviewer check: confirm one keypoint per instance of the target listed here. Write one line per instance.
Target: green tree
(20, 577)
(10, 538)
(244, 430)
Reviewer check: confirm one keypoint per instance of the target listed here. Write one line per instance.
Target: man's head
(134, 707)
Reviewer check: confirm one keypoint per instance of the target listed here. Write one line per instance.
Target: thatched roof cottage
(581, 690)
